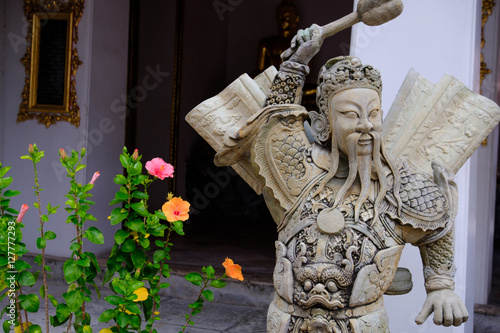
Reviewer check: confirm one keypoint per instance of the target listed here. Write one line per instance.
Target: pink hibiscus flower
(159, 168)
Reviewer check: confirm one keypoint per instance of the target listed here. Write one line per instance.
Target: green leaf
(11, 193)
(4, 170)
(20, 265)
(177, 226)
(74, 299)
(117, 215)
(119, 286)
(133, 308)
(72, 271)
(138, 258)
(164, 285)
(34, 329)
(41, 243)
(38, 259)
(31, 303)
(53, 300)
(208, 294)
(124, 161)
(87, 329)
(135, 168)
(45, 218)
(121, 235)
(74, 246)
(218, 284)
(6, 324)
(26, 278)
(122, 319)
(140, 208)
(106, 316)
(144, 242)
(80, 167)
(140, 195)
(159, 255)
(120, 180)
(94, 235)
(4, 182)
(136, 225)
(85, 262)
(114, 300)
(159, 243)
(49, 235)
(195, 278)
(210, 271)
(128, 245)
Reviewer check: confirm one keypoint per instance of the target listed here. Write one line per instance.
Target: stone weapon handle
(370, 12)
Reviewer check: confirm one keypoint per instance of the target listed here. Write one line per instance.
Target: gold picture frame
(51, 61)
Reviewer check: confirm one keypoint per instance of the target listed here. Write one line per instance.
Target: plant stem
(160, 272)
(205, 284)
(69, 322)
(19, 311)
(44, 273)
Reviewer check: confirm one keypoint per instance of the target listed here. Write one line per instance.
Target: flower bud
(20, 217)
(62, 154)
(94, 177)
(135, 155)
(31, 149)
(83, 151)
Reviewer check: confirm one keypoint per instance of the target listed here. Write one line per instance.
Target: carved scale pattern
(420, 194)
(288, 155)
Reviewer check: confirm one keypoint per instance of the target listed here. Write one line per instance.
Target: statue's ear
(318, 130)
(321, 156)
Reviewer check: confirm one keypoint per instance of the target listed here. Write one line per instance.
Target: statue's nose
(319, 290)
(364, 126)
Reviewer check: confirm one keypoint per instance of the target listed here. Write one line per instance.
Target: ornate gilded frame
(40, 14)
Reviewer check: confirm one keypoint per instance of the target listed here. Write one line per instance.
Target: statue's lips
(365, 139)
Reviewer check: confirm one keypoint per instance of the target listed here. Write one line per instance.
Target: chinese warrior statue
(347, 192)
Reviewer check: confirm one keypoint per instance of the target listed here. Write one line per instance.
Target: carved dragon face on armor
(322, 285)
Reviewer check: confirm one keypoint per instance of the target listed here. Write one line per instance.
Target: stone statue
(344, 205)
(270, 48)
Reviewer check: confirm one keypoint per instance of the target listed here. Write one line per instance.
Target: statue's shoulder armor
(421, 203)
(282, 153)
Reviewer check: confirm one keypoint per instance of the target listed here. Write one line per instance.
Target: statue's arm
(439, 272)
(289, 81)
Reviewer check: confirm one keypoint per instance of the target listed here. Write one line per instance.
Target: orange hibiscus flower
(232, 270)
(176, 209)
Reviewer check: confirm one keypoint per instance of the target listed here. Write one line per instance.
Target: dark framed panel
(51, 62)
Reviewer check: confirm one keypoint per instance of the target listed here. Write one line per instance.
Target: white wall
(434, 37)
(100, 79)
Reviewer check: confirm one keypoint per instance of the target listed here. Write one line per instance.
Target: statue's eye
(350, 114)
(331, 286)
(308, 285)
(374, 112)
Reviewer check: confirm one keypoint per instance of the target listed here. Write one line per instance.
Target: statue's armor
(334, 281)
(332, 271)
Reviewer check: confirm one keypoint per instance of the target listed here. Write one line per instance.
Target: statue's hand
(448, 308)
(305, 45)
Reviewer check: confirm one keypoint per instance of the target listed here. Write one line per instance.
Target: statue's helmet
(338, 74)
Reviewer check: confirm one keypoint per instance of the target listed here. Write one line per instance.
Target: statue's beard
(361, 166)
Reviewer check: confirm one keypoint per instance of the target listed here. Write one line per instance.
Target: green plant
(82, 268)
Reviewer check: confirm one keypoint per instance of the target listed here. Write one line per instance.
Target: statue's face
(356, 110)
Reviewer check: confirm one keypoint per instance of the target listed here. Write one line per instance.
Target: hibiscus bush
(137, 267)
